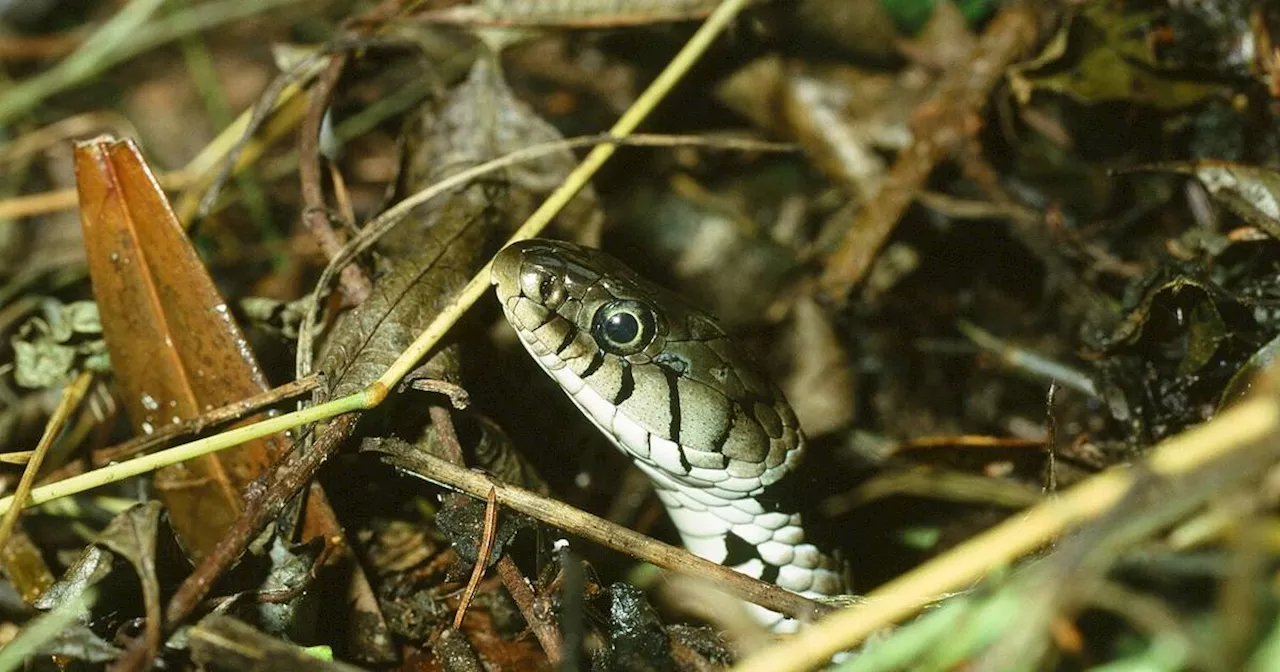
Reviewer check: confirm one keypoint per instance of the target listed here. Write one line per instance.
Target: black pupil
(622, 328)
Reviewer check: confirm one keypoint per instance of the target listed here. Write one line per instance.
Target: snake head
(634, 349)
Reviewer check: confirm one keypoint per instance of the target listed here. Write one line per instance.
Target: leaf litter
(982, 203)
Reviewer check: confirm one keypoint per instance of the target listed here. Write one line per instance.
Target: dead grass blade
(31, 581)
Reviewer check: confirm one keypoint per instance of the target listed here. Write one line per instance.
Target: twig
(44, 203)
(544, 628)
(447, 435)
(230, 412)
(458, 396)
(315, 215)
(1027, 361)
(487, 537)
(188, 451)
(948, 118)
(603, 532)
(1051, 438)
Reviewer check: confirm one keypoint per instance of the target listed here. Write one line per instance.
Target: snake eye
(624, 327)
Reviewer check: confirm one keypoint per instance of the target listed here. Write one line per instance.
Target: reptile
(671, 390)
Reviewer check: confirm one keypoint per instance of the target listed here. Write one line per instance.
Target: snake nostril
(552, 291)
(531, 280)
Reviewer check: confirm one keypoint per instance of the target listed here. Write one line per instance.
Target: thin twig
(447, 435)
(608, 534)
(315, 215)
(262, 504)
(233, 411)
(487, 537)
(544, 628)
(32, 205)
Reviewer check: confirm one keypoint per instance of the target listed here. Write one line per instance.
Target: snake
(668, 387)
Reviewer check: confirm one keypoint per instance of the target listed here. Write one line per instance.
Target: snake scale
(663, 381)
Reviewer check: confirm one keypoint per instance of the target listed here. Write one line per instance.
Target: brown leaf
(174, 348)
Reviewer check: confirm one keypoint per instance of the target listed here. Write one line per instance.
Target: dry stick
(225, 151)
(487, 537)
(315, 216)
(233, 411)
(608, 534)
(949, 117)
(1233, 430)
(543, 627)
(447, 434)
(33, 205)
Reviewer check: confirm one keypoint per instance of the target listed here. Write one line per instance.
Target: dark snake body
(669, 388)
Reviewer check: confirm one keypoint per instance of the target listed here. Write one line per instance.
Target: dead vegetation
(1014, 264)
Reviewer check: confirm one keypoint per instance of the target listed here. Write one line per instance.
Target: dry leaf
(174, 348)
